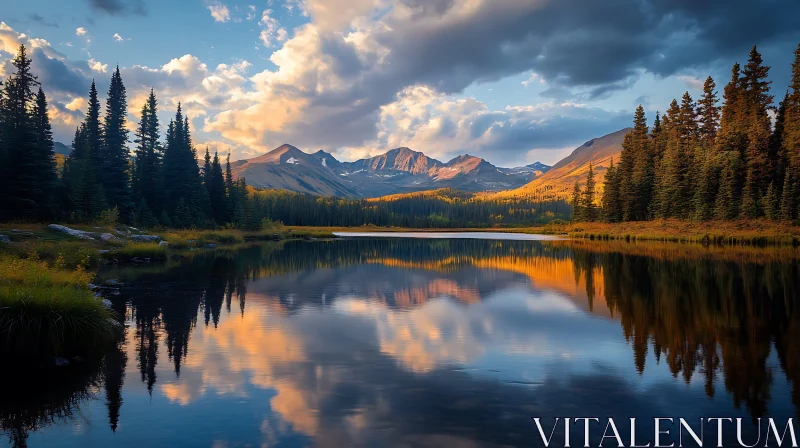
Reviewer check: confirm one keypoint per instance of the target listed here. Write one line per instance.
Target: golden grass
(744, 232)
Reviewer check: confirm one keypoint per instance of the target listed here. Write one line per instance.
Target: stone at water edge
(108, 237)
(107, 303)
(4, 239)
(163, 243)
(152, 238)
(113, 283)
(72, 232)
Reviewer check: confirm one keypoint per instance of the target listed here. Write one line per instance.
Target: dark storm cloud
(56, 76)
(599, 45)
(119, 7)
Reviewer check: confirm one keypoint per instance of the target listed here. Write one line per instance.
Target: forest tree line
(701, 161)
(163, 184)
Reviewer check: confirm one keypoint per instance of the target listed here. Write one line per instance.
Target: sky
(512, 81)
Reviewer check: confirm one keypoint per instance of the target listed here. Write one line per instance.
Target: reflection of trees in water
(32, 400)
(708, 317)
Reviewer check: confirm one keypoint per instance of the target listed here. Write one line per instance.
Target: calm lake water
(424, 342)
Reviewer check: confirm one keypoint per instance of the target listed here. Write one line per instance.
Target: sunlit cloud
(219, 11)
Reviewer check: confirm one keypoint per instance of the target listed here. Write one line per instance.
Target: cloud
(338, 75)
(81, 31)
(251, 12)
(41, 21)
(98, 66)
(272, 32)
(119, 7)
(692, 82)
(219, 11)
(444, 127)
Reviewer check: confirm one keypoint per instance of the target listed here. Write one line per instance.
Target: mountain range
(399, 170)
(403, 170)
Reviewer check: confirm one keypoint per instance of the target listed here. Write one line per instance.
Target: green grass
(182, 239)
(132, 250)
(48, 311)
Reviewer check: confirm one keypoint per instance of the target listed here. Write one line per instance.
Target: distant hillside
(60, 148)
(558, 181)
(398, 171)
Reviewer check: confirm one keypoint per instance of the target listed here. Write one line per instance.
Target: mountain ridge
(398, 170)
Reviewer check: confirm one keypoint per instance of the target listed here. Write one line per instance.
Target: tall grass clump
(49, 311)
(130, 251)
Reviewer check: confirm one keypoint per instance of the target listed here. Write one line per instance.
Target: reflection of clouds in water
(446, 332)
(312, 358)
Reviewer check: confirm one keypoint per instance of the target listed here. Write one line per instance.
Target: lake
(449, 341)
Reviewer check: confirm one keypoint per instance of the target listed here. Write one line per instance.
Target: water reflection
(381, 342)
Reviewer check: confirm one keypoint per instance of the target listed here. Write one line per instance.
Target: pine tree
(788, 207)
(44, 158)
(577, 212)
(229, 192)
(588, 206)
(146, 181)
(116, 174)
(756, 84)
(83, 189)
(726, 206)
(183, 185)
(28, 169)
(218, 197)
(642, 175)
(706, 190)
(709, 113)
(731, 135)
(771, 203)
(777, 160)
(791, 134)
(94, 134)
(671, 201)
(612, 209)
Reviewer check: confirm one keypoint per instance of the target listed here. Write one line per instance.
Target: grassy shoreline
(46, 305)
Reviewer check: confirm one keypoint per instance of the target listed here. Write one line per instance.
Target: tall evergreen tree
(217, 196)
(24, 150)
(791, 135)
(588, 205)
(45, 157)
(788, 206)
(186, 198)
(115, 156)
(577, 212)
(146, 180)
(94, 133)
(709, 113)
(637, 205)
(612, 209)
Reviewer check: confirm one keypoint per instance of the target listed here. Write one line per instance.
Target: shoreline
(761, 233)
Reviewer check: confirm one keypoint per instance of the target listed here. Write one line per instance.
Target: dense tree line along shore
(701, 161)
